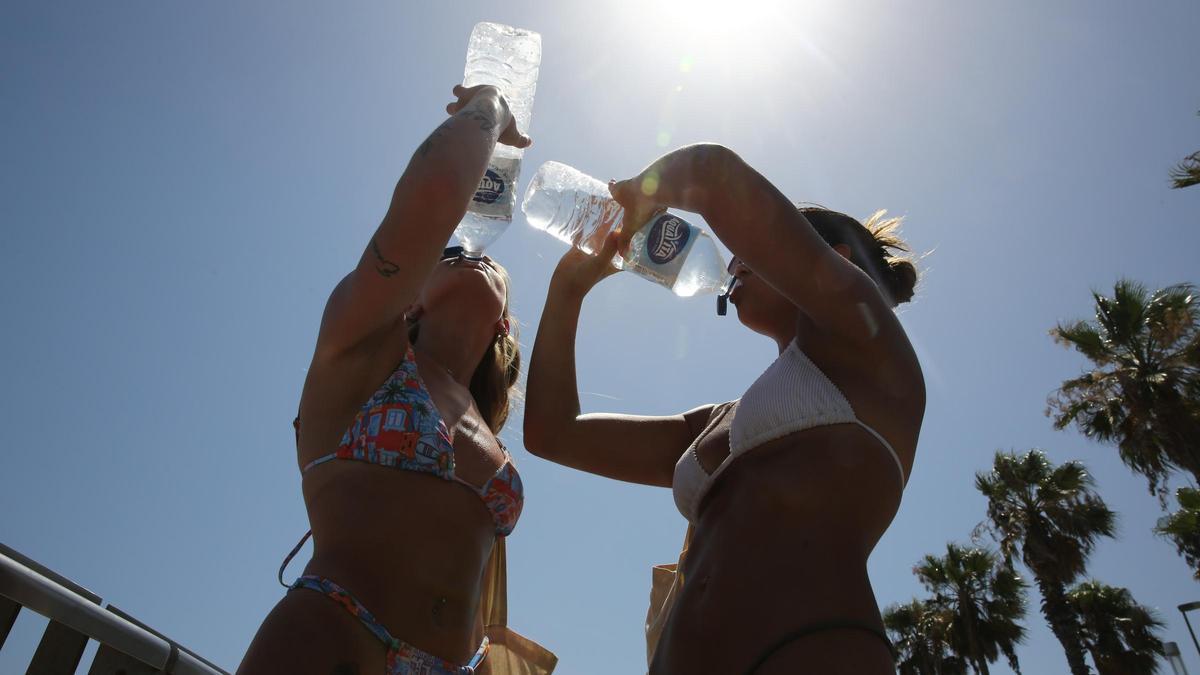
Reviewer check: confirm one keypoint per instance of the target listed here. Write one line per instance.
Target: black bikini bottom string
(819, 628)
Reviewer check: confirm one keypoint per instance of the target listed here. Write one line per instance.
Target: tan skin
(410, 546)
(784, 535)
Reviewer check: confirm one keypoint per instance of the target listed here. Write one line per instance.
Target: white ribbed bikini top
(791, 395)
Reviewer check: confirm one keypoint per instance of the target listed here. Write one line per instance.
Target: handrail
(184, 650)
(43, 591)
(48, 573)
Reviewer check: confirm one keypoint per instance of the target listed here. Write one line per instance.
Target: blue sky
(184, 183)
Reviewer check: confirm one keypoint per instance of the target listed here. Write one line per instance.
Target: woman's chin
(747, 317)
(464, 288)
(755, 321)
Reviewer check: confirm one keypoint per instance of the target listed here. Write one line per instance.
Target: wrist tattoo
(385, 267)
(486, 122)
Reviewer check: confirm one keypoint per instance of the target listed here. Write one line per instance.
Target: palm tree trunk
(1063, 623)
(978, 662)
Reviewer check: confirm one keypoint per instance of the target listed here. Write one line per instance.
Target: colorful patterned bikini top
(399, 427)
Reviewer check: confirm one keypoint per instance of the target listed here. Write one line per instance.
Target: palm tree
(1051, 518)
(919, 630)
(1187, 172)
(1118, 632)
(1143, 393)
(1182, 528)
(985, 601)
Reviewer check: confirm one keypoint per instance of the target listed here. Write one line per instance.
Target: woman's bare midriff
(781, 546)
(410, 547)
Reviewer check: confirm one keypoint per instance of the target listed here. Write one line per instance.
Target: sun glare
(719, 19)
(748, 39)
(725, 26)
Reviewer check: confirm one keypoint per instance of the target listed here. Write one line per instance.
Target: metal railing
(127, 646)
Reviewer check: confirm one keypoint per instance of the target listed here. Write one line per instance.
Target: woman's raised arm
(762, 228)
(430, 199)
(634, 448)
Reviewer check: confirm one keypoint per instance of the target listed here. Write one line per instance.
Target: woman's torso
(411, 546)
(782, 536)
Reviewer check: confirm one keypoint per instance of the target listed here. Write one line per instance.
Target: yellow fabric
(511, 653)
(666, 582)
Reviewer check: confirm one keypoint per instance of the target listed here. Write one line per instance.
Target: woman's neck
(451, 349)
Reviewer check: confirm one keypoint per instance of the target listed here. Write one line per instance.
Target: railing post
(59, 651)
(109, 661)
(8, 616)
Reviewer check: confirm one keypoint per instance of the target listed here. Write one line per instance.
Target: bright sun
(732, 45)
(735, 36)
(722, 20)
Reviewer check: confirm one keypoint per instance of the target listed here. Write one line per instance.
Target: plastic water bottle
(580, 211)
(507, 58)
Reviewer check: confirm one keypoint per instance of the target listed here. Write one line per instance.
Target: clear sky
(183, 183)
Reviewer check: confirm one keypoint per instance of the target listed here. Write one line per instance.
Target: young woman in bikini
(789, 487)
(405, 483)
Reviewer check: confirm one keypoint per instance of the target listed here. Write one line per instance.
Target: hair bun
(902, 279)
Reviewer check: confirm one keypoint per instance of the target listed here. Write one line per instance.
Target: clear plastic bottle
(507, 58)
(668, 250)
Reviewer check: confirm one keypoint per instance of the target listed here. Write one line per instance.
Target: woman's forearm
(446, 168)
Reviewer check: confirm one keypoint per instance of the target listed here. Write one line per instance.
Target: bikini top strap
(291, 555)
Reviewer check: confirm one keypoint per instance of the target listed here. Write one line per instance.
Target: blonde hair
(493, 384)
(878, 240)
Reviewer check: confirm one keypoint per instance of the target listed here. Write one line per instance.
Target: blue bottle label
(490, 188)
(665, 243)
(668, 236)
(496, 194)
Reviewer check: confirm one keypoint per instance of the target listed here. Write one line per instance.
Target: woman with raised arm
(406, 485)
(788, 488)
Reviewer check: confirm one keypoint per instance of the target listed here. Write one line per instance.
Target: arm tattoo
(486, 123)
(385, 267)
(427, 144)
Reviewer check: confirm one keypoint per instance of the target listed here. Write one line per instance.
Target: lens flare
(650, 184)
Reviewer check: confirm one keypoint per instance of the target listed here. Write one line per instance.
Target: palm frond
(1143, 392)
(1083, 337)
(1115, 629)
(1187, 172)
(1182, 528)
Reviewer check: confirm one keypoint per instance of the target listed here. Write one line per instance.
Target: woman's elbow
(536, 438)
(714, 160)
(547, 439)
(711, 165)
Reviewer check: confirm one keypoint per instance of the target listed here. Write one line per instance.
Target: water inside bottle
(507, 58)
